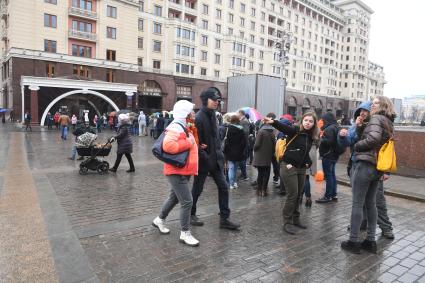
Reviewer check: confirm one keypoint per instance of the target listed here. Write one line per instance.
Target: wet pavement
(64, 227)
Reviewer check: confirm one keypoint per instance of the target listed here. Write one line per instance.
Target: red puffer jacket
(175, 141)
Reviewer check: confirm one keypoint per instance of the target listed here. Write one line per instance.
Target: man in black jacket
(328, 153)
(211, 160)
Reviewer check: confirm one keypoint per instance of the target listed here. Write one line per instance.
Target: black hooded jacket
(328, 142)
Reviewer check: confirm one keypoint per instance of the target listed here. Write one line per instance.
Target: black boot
(350, 246)
(227, 224)
(194, 221)
(308, 202)
(369, 246)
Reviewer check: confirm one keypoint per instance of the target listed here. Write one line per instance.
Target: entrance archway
(54, 101)
(150, 96)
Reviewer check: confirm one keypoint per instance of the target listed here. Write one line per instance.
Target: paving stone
(418, 270)
(417, 256)
(409, 263)
(408, 278)
(387, 277)
(398, 270)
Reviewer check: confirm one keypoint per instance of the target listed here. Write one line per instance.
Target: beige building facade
(193, 40)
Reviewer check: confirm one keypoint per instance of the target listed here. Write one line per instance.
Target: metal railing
(82, 12)
(82, 35)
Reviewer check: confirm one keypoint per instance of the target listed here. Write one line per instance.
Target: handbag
(387, 160)
(179, 159)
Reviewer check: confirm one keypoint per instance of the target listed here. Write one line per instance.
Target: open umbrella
(254, 115)
(3, 110)
(123, 111)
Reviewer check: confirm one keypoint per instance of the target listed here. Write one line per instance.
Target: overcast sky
(397, 42)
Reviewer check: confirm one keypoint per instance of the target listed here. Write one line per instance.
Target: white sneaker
(187, 238)
(235, 185)
(160, 224)
(231, 187)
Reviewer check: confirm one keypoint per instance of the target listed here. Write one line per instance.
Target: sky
(397, 42)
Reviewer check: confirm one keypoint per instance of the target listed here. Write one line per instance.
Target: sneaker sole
(156, 226)
(195, 245)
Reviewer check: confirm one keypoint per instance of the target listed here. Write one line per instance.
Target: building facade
(162, 50)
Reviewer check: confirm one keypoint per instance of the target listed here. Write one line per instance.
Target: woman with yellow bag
(378, 131)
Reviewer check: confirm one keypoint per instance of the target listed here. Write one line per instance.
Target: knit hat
(288, 117)
(182, 108)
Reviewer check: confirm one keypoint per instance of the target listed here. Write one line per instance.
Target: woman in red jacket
(176, 141)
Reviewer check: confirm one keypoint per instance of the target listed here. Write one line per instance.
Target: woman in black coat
(125, 146)
(234, 148)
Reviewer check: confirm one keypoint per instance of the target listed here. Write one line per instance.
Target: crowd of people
(219, 148)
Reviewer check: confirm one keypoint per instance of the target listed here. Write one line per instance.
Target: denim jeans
(365, 185)
(330, 177)
(179, 193)
(223, 191)
(64, 133)
(233, 170)
(74, 151)
(242, 166)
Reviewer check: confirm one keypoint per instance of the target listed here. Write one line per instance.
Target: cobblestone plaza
(59, 226)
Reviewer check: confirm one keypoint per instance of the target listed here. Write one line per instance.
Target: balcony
(89, 36)
(82, 13)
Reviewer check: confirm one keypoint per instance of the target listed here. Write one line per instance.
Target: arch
(306, 103)
(150, 87)
(66, 94)
(292, 101)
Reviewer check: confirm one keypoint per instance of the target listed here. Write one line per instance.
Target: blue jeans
(242, 166)
(330, 177)
(233, 169)
(74, 151)
(223, 191)
(64, 133)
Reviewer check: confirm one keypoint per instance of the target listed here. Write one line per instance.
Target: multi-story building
(148, 54)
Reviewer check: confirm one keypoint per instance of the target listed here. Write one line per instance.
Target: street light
(283, 45)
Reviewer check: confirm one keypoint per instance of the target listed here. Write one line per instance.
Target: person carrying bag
(175, 140)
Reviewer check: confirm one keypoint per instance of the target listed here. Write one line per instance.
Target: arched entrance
(306, 105)
(57, 99)
(339, 109)
(319, 109)
(149, 95)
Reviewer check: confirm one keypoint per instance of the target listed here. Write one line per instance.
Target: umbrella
(123, 111)
(3, 110)
(254, 115)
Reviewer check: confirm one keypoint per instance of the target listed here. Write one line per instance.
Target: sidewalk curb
(388, 192)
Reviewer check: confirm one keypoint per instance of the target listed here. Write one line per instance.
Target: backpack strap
(183, 127)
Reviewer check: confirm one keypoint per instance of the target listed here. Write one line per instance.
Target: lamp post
(283, 45)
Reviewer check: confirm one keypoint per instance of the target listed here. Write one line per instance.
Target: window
(251, 65)
(141, 6)
(253, 12)
(204, 24)
(140, 61)
(260, 68)
(156, 64)
(203, 71)
(140, 24)
(242, 8)
(111, 33)
(230, 18)
(156, 28)
(238, 62)
(157, 11)
(83, 4)
(217, 43)
(230, 31)
(50, 21)
(205, 9)
(184, 68)
(157, 46)
(251, 52)
(263, 16)
(242, 22)
(217, 58)
(183, 91)
(204, 39)
(204, 55)
(50, 46)
(231, 4)
(185, 50)
(218, 14)
(217, 73)
(82, 26)
(50, 70)
(111, 11)
(218, 28)
(110, 75)
(185, 33)
(51, 1)
(252, 38)
(252, 25)
(81, 51)
(81, 71)
(241, 34)
(140, 42)
(261, 54)
(111, 55)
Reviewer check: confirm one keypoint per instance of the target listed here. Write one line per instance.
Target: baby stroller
(85, 147)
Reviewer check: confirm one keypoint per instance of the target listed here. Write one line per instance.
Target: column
(34, 104)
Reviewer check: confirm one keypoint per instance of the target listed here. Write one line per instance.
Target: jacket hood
(236, 126)
(365, 106)
(182, 109)
(267, 127)
(328, 119)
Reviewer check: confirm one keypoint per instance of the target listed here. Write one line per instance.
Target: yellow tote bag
(387, 161)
